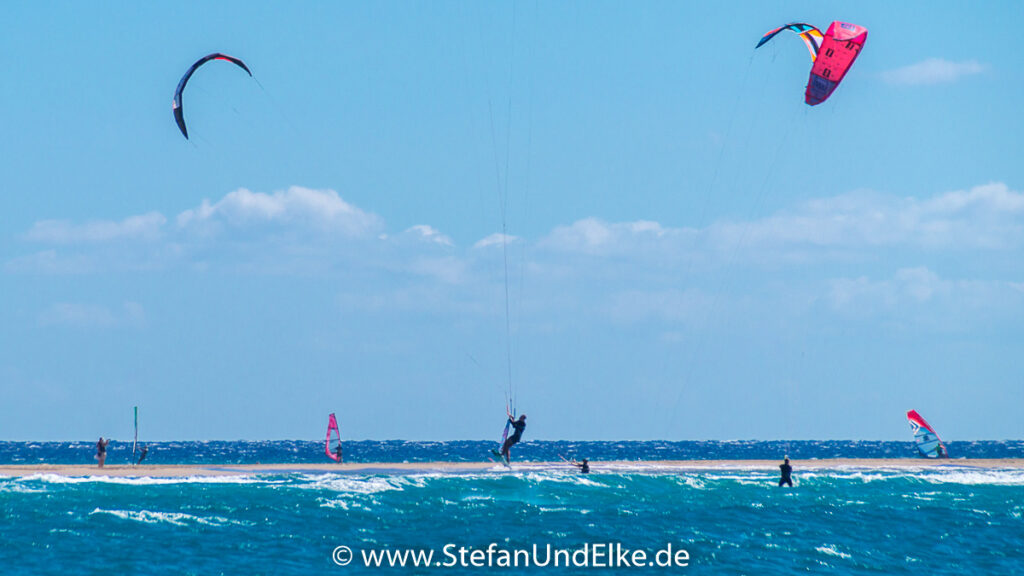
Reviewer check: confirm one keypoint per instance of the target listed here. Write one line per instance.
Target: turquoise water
(947, 521)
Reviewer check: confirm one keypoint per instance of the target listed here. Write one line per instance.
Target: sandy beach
(186, 470)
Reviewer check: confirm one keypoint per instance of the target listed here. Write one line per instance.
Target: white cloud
(916, 287)
(322, 209)
(497, 239)
(933, 71)
(429, 234)
(594, 236)
(270, 233)
(985, 217)
(142, 227)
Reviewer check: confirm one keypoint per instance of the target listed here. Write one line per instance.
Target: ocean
(947, 520)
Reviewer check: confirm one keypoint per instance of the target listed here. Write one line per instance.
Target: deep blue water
(949, 520)
(299, 451)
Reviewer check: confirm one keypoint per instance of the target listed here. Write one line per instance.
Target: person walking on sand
(101, 451)
(786, 470)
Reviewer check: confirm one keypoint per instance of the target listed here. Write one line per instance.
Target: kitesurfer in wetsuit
(142, 456)
(517, 426)
(101, 450)
(786, 471)
(583, 466)
(337, 451)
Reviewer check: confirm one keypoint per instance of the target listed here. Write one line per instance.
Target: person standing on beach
(101, 450)
(786, 470)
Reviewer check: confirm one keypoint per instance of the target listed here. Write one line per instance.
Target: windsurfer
(145, 449)
(337, 451)
(786, 470)
(517, 434)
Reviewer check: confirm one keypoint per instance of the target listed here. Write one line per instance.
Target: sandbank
(645, 466)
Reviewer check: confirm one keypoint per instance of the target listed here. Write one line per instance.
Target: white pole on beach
(136, 441)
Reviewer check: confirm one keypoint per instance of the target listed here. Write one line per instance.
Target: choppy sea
(617, 520)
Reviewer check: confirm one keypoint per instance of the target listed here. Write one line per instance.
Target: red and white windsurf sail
(925, 438)
(332, 432)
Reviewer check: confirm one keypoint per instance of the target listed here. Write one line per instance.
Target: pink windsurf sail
(332, 431)
(927, 441)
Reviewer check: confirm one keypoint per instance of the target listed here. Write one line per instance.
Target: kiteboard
(497, 457)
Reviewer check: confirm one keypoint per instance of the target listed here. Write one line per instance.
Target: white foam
(15, 487)
(363, 484)
(144, 480)
(175, 518)
(965, 476)
(831, 550)
(562, 477)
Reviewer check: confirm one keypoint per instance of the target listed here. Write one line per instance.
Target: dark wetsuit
(101, 451)
(337, 452)
(517, 426)
(584, 468)
(786, 471)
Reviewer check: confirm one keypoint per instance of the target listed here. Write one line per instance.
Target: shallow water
(837, 521)
(834, 521)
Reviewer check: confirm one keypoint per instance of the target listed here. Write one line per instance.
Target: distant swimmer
(101, 451)
(142, 456)
(787, 470)
(517, 434)
(337, 451)
(584, 466)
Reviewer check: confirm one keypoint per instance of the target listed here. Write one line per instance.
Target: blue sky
(692, 251)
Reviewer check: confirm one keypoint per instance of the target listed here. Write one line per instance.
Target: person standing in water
(584, 466)
(101, 451)
(517, 426)
(786, 470)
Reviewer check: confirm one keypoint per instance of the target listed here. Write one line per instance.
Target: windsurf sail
(332, 430)
(927, 441)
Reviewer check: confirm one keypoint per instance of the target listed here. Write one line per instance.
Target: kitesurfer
(517, 434)
(786, 471)
(142, 456)
(101, 450)
(584, 466)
